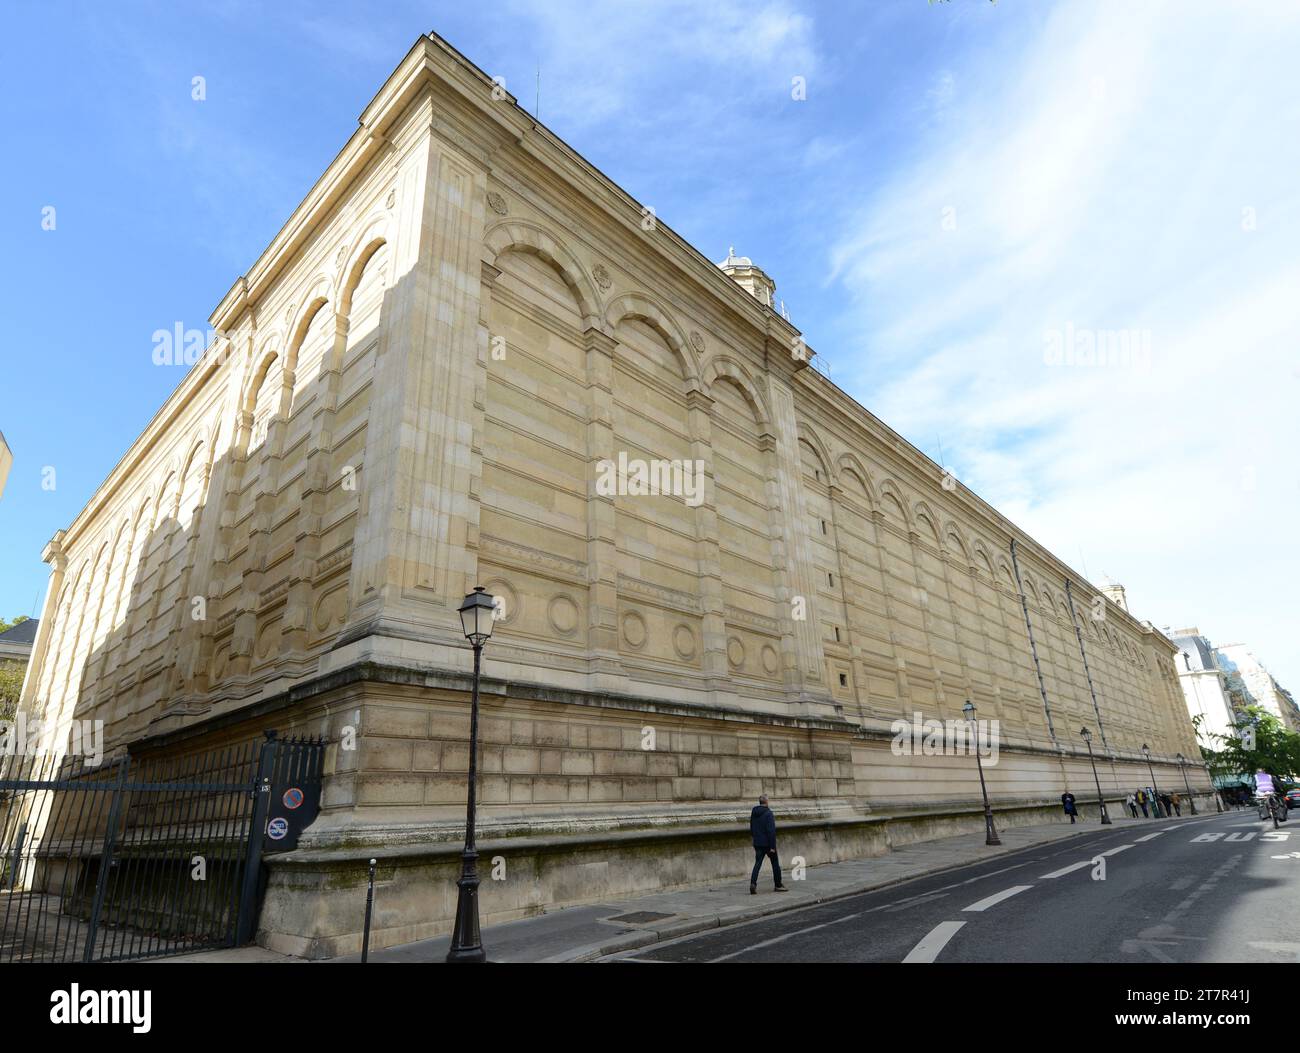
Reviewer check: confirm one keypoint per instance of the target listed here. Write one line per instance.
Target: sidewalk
(576, 934)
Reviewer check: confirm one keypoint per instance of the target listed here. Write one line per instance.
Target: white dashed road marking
(1150, 836)
(1066, 870)
(786, 936)
(933, 944)
(994, 900)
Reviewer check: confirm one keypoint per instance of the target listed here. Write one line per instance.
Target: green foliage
(11, 676)
(1274, 749)
(11, 685)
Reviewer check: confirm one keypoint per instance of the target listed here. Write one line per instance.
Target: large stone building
(419, 388)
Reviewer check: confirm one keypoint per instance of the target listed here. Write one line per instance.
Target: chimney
(753, 280)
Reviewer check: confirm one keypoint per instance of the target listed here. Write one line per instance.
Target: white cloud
(688, 44)
(1098, 183)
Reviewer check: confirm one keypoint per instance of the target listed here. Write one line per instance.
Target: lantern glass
(969, 710)
(1087, 735)
(477, 615)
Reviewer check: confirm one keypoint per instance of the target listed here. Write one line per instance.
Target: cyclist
(1267, 786)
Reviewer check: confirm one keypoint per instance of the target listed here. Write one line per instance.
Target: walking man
(1067, 802)
(762, 829)
(1131, 802)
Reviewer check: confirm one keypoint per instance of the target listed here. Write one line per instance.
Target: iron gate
(140, 859)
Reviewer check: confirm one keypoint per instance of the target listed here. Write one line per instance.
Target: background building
(1205, 686)
(1219, 683)
(1248, 676)
(421, 382)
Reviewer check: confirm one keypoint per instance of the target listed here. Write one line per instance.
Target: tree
(11, 686)
(11, 676)
(1260, 742)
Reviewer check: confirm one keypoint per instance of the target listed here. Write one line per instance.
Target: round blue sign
(277, 829)
(292, 797)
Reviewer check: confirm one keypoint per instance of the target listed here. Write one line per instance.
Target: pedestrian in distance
(1142, 803)
(762, 829)
(1130, 802)
(1067, 802)
(1173, 799)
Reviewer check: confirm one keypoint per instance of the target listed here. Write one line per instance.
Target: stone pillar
(314, 496)
(785, 499)
(713, 605)
(414, 556)
(605, 669)
(835, 496)
(245, 622)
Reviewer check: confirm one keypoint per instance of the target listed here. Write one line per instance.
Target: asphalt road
(1212, 889)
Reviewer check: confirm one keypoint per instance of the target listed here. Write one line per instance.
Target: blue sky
(967, 190)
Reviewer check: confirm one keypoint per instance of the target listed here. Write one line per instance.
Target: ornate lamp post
(1101, 801)
(1156, 803)
(476, 618)
(990, 833)
(1182, 763)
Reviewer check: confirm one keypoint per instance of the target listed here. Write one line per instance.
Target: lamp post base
(990, 833)
(466, 942)
(1105, 817)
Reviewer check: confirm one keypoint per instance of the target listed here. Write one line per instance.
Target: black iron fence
(139, 859)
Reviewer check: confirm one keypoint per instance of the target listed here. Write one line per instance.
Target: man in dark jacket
(1067, 802)
(762, 829)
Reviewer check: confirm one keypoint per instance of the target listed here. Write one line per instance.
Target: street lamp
(1101, 801)
(1182, 763)
(990, 834)
(1156, 803)
(477, 615)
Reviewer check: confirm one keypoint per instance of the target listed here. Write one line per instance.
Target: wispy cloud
(1132, 172)
(642, 49)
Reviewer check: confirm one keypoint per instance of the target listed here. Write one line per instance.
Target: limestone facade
(416, 390)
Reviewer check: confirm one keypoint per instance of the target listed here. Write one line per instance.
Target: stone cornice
(54, 552)
(492, 689)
